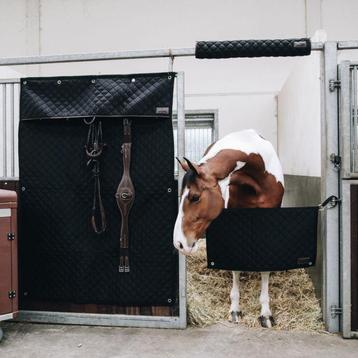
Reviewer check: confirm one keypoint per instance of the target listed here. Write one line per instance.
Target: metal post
(4, 129)
(181, 154)
(346, 133)
(330, 186)
(12, 131)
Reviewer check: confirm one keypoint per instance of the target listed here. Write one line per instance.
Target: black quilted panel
(62, 258)
(136, 95)
(253, 48)
(263, 239)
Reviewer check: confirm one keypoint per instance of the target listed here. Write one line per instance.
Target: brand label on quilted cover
(162, 110)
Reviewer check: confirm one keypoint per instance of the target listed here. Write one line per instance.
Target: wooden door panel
(5, 266)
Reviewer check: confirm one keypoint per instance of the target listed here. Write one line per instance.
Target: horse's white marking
(178, 235)
(224, 185)
(248, 141)
(235, 292)
(265, 298)
(224, 188)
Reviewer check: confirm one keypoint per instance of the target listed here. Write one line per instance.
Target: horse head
(201, 202)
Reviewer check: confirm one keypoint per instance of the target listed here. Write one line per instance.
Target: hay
(293, 301)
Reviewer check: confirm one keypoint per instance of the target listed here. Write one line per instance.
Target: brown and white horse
(241, 170)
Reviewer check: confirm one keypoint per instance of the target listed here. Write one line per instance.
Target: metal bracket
(11, 236)
(333, 84)
(336, 160)
(336, 311)
(332, 201)
(12, 294)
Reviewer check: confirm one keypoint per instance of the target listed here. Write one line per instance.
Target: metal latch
(329, 203)
(333, 84)
(336, 160)
(12, 294)
(11, 236)
(336, 311)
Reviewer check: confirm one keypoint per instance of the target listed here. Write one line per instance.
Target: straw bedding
(293, 301)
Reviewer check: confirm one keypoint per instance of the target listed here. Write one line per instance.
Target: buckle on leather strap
(123, 264)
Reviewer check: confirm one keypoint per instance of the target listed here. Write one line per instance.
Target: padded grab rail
(253, 48)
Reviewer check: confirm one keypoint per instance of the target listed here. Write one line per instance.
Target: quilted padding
(263, 239)
(63, 260)
(137, 95)
(253, 48)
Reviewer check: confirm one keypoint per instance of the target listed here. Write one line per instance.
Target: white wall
(33, 27)
(299, 117)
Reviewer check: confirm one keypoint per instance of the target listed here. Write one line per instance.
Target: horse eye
(195, 198)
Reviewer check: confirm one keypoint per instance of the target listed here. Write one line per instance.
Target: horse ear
(193, 167)
(183, 164)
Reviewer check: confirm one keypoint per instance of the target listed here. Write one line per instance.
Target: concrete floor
(24, 340)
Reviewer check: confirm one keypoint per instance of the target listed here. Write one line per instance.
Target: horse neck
(220, 175)
(224, 163)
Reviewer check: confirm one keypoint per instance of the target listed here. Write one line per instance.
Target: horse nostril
(193, 244)
(181, 245)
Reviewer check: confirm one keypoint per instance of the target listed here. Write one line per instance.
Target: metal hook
(90, 122)
(171, 61)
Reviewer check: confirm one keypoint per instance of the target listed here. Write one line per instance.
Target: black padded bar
(253, 48)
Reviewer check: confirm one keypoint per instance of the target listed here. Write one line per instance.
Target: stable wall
(299, 119)
(299, 142)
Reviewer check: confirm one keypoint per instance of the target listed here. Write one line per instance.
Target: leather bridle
(94, 150)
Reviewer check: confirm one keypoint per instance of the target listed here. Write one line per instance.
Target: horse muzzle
(186, 247)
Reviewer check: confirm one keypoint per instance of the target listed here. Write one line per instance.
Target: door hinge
(336, 311)
(333, 84)
(336, 160)
(11, 236)
(12, 294)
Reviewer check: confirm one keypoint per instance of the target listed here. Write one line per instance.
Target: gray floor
(24, 340)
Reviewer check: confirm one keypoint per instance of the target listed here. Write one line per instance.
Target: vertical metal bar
(12, 131)
(346, 121)
(4, 130)
(16, 128)
(330, 186)
(346, 257)
(181, 154)
(354, 90)
(353, 122)
(347, 130)
(216, 125)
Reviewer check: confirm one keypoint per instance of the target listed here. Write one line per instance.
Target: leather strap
(125, 195)
(94, 149)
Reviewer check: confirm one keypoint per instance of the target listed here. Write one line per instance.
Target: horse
(241, 170)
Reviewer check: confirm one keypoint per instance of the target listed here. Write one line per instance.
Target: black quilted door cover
(263, 239)
(63, 260)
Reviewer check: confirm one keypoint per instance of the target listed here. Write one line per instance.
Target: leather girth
(125, 195)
